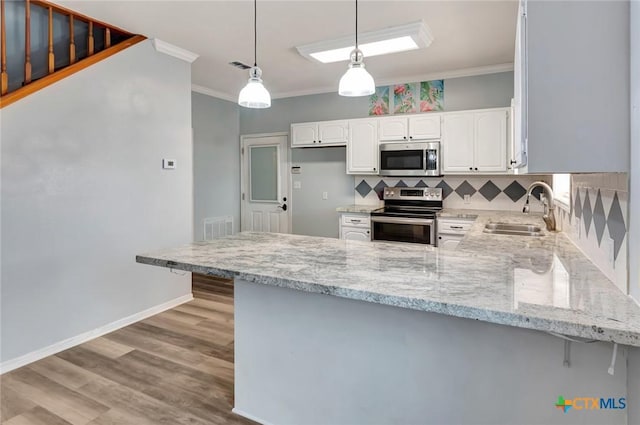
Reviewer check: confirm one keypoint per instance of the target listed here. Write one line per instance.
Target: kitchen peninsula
(337, 331)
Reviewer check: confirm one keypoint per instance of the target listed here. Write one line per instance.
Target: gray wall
(634, 175)
(83, 192)
(324, 169)
(216, 160)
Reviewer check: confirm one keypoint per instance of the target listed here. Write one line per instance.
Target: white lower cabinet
(355, 227)
(362, 147)
(451, 231)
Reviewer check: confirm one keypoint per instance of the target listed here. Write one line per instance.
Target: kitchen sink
(513, 229)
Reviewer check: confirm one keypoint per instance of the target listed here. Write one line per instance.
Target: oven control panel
(413, 193)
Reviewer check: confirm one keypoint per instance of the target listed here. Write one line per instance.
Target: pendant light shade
(356, 81)
(254, 94)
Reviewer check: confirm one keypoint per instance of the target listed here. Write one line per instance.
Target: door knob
(283, 207)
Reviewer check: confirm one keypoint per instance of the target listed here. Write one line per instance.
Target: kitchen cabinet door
(362, 147)
(394, 128)
(305, 134)
(334, 133)
(490, 134)
(355, 234)
(425, 126)
(458, 143)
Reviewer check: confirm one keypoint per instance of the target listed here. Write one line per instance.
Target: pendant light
(356, 81)
(254, 95)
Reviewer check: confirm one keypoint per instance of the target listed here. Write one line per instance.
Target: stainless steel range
(408, 215)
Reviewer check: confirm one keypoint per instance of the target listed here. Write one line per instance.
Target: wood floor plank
(37, 416)
(12, 403)
(183, 317)
(61, 401)
(62, 372)
(220, 336)
(119, 417)
(107, 348)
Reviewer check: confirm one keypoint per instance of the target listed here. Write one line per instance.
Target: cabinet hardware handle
(404, 137)
(410, 137)
(476, 168)
(513, 161)
(456, 227)
(319, 141)
(368, 232)
(471, 168)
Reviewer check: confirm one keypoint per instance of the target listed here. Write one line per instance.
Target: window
(562, 188)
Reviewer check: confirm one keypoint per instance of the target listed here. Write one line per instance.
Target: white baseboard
(52, 349)
(251, 417)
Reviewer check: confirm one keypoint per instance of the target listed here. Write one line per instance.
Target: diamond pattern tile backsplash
(486, 192)
(597, 221)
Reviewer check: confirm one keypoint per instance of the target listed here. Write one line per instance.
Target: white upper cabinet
(475, 142)
(394, 128)
(319, 134)
(490, 148)
(571, 75)
(305, 134)
(414, 127)
(362, 147)
(457, 143)
(425, 126)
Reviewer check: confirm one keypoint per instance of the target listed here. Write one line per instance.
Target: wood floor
(173, 368)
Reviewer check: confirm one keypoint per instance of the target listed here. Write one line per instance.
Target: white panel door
(362, 147)
(394, 128)
(457, 143)
(333, 133)
(424, 126)
(265, 184)
(305, 134)
(490, 130)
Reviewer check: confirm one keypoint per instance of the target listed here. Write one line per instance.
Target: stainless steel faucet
(549, 216)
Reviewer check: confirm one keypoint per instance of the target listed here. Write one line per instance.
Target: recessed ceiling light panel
(401, 38)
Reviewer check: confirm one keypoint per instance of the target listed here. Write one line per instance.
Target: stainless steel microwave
(410, 159)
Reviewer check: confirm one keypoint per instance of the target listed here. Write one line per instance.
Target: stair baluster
(3, 34)
(72, 42)
(90, 46)
(52, 61)
(27, 42)
(107, 38)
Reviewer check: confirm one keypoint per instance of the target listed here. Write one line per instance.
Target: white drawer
(458, 226)
(356, 220)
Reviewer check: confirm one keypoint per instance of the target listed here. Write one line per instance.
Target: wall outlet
(297, 184)
(467, 199)
(325, 195)
(610, 250)
(576, 227)
(169, 164)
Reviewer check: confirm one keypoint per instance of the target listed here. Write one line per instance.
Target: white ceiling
(471, 37)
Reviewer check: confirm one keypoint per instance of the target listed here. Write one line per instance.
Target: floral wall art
(408, 98)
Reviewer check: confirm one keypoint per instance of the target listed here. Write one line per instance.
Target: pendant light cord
(356, 24)
(255, 32)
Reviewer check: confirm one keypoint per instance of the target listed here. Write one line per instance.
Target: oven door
(403, 229)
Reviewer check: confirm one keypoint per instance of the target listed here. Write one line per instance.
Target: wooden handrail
(3, 33)
(27, 42)
(52, 60)
(72, 42)
(78, 16)
(69, 70)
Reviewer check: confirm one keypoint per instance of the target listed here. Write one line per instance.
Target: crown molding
(458, 73)
(213, 93)
(466, 72)
(175, 51)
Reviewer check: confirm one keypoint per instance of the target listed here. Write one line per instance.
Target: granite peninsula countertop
(360, 209)
(542, 283)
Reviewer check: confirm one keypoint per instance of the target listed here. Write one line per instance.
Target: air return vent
(239, 65)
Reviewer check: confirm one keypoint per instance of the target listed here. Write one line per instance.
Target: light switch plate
(467, 199)
(169, 164)
(297, 184)
(325, 195)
